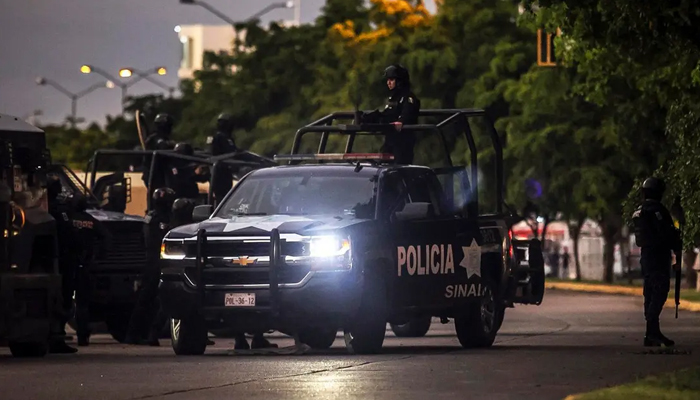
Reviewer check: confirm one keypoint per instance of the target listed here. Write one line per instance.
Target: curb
(633, 291)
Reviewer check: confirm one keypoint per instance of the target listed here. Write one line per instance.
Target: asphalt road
(572, 343)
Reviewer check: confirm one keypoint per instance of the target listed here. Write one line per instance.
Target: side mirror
(202, 213)
(414, 211)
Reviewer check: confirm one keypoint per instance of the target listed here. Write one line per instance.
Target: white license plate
(239, 300)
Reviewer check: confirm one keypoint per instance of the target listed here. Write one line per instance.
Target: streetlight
(129, 72)
(41, 81)
(126, 73)
(88, 69)
(273, 6)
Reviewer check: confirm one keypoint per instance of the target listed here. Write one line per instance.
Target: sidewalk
(690, 299)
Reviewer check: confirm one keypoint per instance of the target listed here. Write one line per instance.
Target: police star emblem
(472, 259)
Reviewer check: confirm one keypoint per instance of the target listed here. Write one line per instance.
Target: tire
(416, 327)
(117, 325)
(319, 339)
(479, 325)
(29, 349)
(189, 336)
(366, 332)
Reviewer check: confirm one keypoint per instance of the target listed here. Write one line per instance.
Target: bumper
(28, 305)
(326, 298)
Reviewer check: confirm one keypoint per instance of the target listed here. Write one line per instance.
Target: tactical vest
(643, 233)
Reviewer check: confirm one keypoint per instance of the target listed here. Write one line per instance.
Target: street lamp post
(273, 6)
(41, 81)
(129, 72)
(126, 73)
(86, 69)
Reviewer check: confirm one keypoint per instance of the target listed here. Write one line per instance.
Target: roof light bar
(336, 157)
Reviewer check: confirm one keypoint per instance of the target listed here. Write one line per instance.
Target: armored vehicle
(30, 285)
(352, 241)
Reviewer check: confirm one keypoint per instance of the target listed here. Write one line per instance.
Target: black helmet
(163, 197)
(163, 123)
(653, 188)
(398, 72)
(184, 149)
(224, 123)
(183, 207)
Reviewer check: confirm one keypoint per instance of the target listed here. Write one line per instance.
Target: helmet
(224, 122)
(653, 188)
(163, 197)
(398, 72)
(184, 149)
(163, 123)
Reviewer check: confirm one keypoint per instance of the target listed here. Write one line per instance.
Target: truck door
(431, 263)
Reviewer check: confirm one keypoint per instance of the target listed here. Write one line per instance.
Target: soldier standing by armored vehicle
(658, 238)
(157, 225)
(159, 140)
(183, 175)
(89, 233)
(67, 260)
(223, 143)
(402, 108)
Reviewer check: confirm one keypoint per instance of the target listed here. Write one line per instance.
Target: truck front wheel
(366, 332)
(189, 336)
(478, 326)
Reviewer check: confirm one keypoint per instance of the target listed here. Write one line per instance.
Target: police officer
(159, 140)
(67, 262)
(157, 225)
(402, 108)
(657, 236)
(183, 175)
(89, 233)
(223, 143)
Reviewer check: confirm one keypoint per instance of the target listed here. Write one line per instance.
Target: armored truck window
(309, 194)
(423, 187)
(393, 194)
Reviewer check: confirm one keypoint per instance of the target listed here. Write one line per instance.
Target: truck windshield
(307, 194)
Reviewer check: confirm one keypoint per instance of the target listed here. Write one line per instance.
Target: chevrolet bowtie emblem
(244, 260)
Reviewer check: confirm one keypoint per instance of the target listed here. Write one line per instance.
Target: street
(572, 343)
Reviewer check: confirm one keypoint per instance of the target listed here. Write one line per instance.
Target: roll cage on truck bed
(509, 275)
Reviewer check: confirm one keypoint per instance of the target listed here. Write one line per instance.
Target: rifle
(681, 222)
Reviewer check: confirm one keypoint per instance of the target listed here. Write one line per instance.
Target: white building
(195, 40)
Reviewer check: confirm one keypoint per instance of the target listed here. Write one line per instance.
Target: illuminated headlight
(172, 250)
(330, 253)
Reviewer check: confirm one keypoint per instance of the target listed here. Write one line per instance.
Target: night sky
(53, 38)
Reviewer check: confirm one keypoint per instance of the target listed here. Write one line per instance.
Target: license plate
(239, 300)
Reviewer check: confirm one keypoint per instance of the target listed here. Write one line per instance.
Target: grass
(679, 385)
(686, 294)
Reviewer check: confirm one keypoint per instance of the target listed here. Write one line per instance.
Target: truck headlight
(330, 253)
(172, 250)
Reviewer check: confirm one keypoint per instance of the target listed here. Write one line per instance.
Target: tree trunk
(575, 233)
(690, 274)
(611, 227)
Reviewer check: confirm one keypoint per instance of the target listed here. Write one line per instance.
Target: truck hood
(262, 225)
(103, 216)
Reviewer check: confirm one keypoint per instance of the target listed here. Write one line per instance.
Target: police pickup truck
(348, 244)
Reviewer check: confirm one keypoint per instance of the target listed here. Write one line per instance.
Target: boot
(259, 342)
(241, 342)
(654, 337)
(83, 340)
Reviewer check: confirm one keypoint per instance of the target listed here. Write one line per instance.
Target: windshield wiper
(247, 214)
